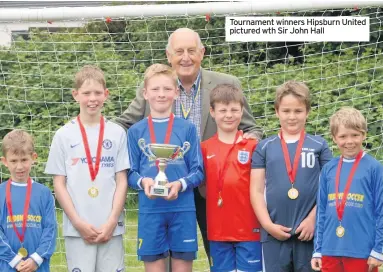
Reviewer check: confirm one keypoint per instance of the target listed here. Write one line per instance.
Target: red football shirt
(235, 219)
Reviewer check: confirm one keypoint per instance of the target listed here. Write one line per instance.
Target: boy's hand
(306, 229)
(28, 266)
(202, 190)
(316, 264)
(106, 232)
(146, 184)
(87, 231)
(174, 188)
(279, 232)
(19, 265)
(372, 263)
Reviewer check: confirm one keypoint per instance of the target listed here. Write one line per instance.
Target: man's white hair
(184, 29)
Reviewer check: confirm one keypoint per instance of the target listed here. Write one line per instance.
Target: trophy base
(159, 190)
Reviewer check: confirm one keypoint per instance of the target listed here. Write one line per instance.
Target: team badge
(107, 144)
(243, 156)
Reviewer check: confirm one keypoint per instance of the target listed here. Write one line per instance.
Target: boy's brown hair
(295, 88)
(159, 69)
(226, 93)
(18, 142)
(89, 72)
(350, 118)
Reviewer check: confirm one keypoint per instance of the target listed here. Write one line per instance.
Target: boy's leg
(302, 254)
(110, 255)
(182, 237)
(356, 265)
(248, 256)
(155, 266)
(222, 256)
(277, 255)
(80, 256)
(179, 265)
(332, 264)
(153, 244)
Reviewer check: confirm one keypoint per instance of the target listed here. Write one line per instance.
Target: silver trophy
(163, 153)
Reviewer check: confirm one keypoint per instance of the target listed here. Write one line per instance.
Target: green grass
(58, 261)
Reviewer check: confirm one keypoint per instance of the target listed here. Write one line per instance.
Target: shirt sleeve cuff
(139, 183)
(36, 257)
(184, 185)
(15, 261)
(376, 255)
(317, 255)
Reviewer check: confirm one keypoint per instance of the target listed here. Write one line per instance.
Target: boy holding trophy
(166, 164)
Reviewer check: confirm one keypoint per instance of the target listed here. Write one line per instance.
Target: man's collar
(195, 84)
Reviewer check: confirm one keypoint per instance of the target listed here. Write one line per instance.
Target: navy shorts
(286, 256)
(164, 234)
(229, 256)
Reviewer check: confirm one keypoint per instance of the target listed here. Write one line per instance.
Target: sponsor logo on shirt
(243, 156)
(105, 161)
(107, 144)
(33, 221)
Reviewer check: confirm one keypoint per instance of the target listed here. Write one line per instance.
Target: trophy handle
(185, 148)
(148, 153)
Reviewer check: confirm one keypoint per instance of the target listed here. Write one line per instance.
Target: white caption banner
(294, 29)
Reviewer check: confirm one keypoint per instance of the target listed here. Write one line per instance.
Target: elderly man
(185, 53)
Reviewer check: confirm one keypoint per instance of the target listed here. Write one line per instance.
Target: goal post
(42, 48)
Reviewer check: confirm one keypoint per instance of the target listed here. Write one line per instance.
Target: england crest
(243, 156)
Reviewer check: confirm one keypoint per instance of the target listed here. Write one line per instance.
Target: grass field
(58, 262)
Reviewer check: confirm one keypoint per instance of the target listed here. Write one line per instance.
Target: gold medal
(23, 252)
(220, 202)
(93, 192)
(340, 231)
(293, 193)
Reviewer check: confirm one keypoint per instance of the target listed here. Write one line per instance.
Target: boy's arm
(194, 162)
(134, 177)
(118, 205)
(377, 177)
(257, 188)
(320, 214)
(87, 231)
(47, 243)
(6, 252)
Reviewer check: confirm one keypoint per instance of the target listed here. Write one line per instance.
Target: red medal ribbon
(292, 172)
(93, 170)
(168, 130)
(8, 198)
(221, 168)
(340, 206)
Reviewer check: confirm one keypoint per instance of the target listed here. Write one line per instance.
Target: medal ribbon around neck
(292, 172)
(93, 170)
(186, 113)
(8, 198)
(222, 170)
(340, 206)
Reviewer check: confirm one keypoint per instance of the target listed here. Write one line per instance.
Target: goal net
(42, 49)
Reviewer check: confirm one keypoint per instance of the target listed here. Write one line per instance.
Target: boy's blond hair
(89, 72)
(18, 142)
(226, 93)
(159, 69)
(350, 118)
(295, 88)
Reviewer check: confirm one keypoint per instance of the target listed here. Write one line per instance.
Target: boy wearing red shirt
(233, 229)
